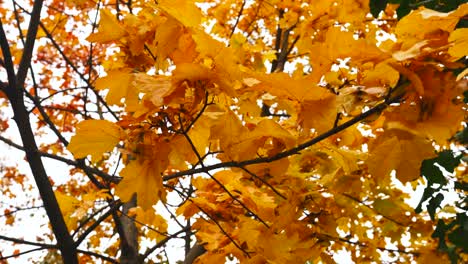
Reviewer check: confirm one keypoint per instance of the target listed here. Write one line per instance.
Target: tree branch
(26, 242)
(14, 91)
(29, 45)
(237, 19)
(76, 163)
(292, 151)
(103, 217)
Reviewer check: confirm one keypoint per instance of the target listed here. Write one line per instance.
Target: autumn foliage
(254, 131)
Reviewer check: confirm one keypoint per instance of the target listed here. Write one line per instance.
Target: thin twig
(292, 151)
(103, 217)
(162, 243)
(22, 253)
(97, 255)
(26, 242)
(237, 19)
(264, 182)
(194, 149)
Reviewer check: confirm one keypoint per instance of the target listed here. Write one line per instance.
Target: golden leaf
(68, 205)
(183, 10)
(166, 39)
(318, 114)
(410, 53)
(94, 137)
(401, 151)
(144, 177)
(156, 88)
(109, 29)
(149, 217)
(414, 151)
(413, 77)
(118, 82)
(384, 158)
(459, 39)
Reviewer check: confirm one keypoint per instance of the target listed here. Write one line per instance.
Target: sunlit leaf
(144, 177)
(94, 137)
(109, 29)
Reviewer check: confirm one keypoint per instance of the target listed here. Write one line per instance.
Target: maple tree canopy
(253, 131)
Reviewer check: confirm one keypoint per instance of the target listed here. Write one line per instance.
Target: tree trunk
(129, 235)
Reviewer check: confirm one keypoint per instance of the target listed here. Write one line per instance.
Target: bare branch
(29, 45)
(237, 19)
(103, 217)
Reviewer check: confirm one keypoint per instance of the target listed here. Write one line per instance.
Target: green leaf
(447, 160)
(461, 186)
(463, 23)
(459, 237)
(376, 6)
(452, 254)
(428, 192)
(434, 203)
(439, 5)
(403, 9)
(432, 173)
(439, 233)
(462, 136)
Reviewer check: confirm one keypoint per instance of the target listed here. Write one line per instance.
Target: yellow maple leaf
(207, 46)
(318, 114)
(118, 82)
(413, 27)
(199, 134)
(68, 205)
(109, 29)
(213, 237)
(459, 39)
(300, 89)
(401, 151)
(51, 24)
(166, 39)
(191, 72)
(341, 44)
(156, 87)
(227, 129)
(347, 159)
(183, 10)
(410, 53)
(249, 231)
(185, 51)
(413, 77)
(414, 151)
(150, 218)
(436, 115)
(270, 128)
(144, 177)
(384, 158)
(94, 137)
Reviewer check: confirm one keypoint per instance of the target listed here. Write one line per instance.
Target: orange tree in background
(263, 131)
